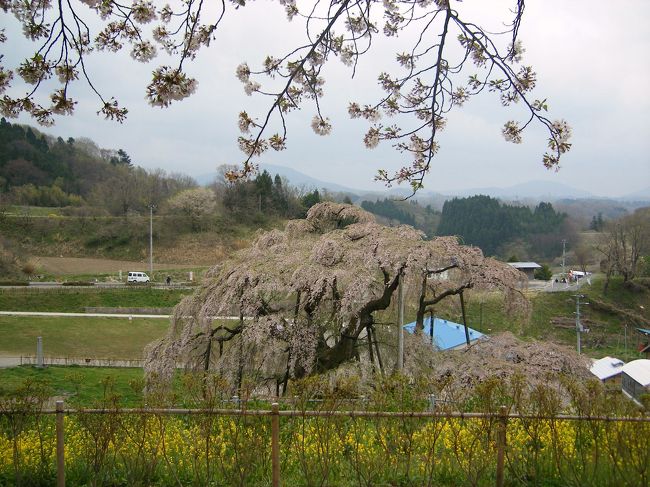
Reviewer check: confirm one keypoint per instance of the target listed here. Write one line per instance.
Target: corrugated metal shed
(607, 367)
(639, 370)
(447, 335)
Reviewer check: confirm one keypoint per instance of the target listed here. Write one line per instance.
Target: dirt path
(86, 265)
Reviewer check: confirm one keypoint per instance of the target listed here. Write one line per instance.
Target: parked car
(137, 277)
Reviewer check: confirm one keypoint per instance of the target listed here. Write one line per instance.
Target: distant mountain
(532, 191)
(295, 178)
(642, 195)
(540, 190)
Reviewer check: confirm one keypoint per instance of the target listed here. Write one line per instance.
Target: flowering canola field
(149, 449)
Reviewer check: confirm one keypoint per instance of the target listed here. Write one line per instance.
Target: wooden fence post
(501, 443)
(60, 454)
(275, 443)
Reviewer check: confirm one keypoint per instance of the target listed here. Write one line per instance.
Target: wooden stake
(501, 443)
(275, 444)
(60, 453)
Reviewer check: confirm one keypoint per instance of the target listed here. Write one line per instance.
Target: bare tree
(119, 193)
(306, 295)
(623, 244)
(584, 254)
(448, 59)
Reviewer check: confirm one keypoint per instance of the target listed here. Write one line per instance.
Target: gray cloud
(592, 66)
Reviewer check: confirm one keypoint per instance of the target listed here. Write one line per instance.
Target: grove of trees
(39, 170)
(489, 224)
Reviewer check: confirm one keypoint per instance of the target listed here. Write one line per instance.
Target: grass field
(71, 300)
(79, 337)
(78, 385)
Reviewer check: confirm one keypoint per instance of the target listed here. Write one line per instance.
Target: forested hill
(485, 222)
(405, 212)
(40, 170)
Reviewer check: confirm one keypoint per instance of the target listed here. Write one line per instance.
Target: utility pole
(563, 256)
(400, 323)
(579, 327)
(151, 206)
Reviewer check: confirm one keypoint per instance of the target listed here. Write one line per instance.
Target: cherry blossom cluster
(452, 60)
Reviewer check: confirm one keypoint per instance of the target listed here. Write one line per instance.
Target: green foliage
(36, 169)
(644, 266)
(597, 223)
(53, 196)
(76, 300)
(82, 385)
(311, 199)
(485, 222)
(405, 212)
(544, 273)
(259, 201)
(389, 209)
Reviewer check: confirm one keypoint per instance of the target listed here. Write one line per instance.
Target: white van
(137, 277)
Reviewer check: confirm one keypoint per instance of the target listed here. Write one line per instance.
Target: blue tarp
(446, 334)
(644, 331)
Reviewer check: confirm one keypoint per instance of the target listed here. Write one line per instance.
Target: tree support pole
(370, 351)
(462, 308)
(400, 324)
(381, 364)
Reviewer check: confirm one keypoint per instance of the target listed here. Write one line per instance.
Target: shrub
(544, 273)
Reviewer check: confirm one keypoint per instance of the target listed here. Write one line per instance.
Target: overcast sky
(592, 65)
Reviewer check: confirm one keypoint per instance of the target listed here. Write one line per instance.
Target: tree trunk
(329, 358)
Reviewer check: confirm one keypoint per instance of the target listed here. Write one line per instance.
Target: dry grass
(196, 249)
(87, 265)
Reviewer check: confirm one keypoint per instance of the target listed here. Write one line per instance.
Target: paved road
(9, 362)
(554, 287)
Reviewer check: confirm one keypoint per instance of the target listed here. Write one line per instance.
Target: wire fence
(239, 446)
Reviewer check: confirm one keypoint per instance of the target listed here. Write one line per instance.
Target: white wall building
(636, 379)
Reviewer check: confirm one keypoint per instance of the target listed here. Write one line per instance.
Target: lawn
(79, 385)
(79, 337)
(74, 300)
